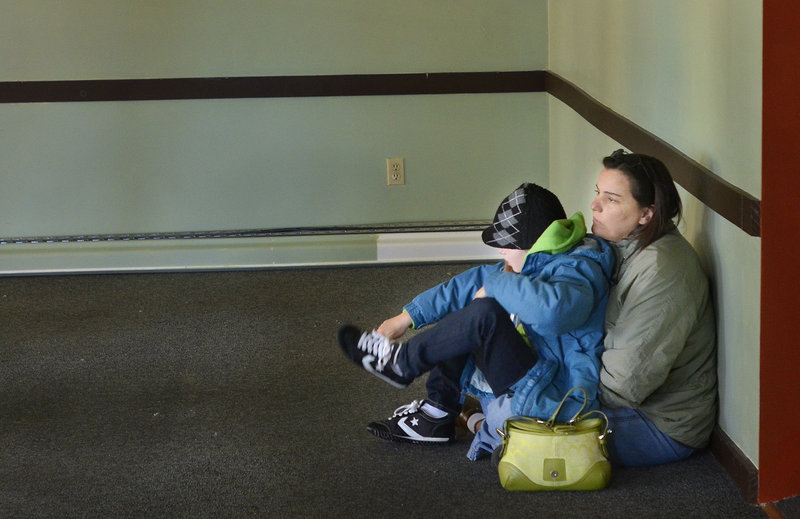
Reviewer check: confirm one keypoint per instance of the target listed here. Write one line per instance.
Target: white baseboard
(434, 246)
(240, 253)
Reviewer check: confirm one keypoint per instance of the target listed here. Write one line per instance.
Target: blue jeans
(636, 442)
(482, 330)
(486, 440)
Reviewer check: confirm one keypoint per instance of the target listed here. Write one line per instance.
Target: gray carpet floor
(224, 394)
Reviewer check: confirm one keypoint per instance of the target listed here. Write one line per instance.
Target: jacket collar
(629, 247)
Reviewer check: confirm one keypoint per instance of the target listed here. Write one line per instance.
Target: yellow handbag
(548, 455)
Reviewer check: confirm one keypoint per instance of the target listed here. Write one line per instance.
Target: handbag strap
(552, 421)
(577, 416)
(606, 431)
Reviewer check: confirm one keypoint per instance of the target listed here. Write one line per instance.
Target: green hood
(561, 235)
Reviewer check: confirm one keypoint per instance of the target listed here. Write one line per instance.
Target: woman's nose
(594, 205)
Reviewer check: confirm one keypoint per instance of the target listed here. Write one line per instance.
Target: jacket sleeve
(560, 299)
(657, 316)
(433, 304)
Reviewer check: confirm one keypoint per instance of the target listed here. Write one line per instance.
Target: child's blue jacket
(559, 299)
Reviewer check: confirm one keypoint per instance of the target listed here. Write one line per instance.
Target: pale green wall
(114, 39)
(128, 167)
(689, 72)
(162, 166)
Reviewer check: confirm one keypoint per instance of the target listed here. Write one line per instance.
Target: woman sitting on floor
(658, 381)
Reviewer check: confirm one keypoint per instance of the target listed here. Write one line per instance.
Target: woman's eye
(612, 200)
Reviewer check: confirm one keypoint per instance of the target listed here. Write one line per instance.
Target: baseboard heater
(388, 228)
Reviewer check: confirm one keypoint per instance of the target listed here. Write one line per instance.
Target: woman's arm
(657, 316)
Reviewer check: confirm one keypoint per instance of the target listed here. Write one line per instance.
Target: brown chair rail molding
(271, 86)
(727, 200)
(735, 205)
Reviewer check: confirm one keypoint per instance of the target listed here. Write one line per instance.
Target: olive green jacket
(660, 355)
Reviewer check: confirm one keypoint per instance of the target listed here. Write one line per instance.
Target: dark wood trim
(733, 204)
(772, 511)
(729, 201)
(741, 470)
(271, 86)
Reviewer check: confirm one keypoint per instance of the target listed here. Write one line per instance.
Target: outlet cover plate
(395, 171)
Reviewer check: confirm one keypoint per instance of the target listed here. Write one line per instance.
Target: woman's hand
(396, 326)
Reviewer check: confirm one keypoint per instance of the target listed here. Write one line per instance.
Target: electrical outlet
(395, 171)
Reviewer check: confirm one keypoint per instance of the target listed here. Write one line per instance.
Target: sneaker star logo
(415, 421)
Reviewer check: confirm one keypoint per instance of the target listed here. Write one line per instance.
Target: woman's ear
(646, 215)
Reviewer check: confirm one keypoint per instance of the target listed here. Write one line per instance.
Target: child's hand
(396, 326)
(480, 293)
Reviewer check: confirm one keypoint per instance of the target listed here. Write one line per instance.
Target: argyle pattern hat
(522, 217)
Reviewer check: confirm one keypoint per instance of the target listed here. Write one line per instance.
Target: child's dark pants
(484, 330)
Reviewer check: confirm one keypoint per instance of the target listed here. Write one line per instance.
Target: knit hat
(522, 217)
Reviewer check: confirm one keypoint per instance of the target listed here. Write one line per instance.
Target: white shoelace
(411, 408)
(378, 345)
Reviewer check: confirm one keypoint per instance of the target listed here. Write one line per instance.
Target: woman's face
(615, 213)
(515, 258)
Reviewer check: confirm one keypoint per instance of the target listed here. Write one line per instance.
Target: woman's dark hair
(651, 186)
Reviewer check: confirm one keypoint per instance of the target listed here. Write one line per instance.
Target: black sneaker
(375, 353)
(411, 424)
